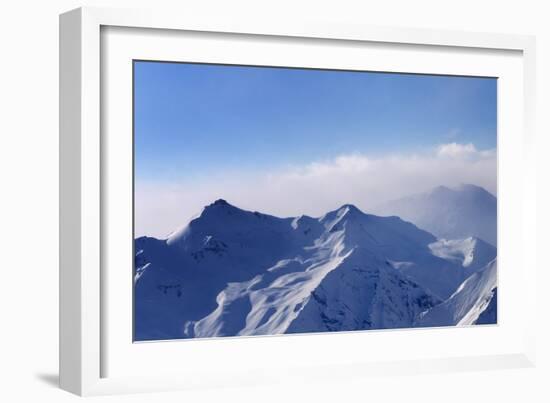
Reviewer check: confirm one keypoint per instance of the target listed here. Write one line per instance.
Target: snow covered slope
(235, 272)
(364, 293)
(472, 253)
(475, 299)
(465, 211)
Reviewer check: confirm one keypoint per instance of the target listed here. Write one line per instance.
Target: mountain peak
(219, 208)
(468, 187)
(440, 190)
(345, 210)
(349, 207)
(449, 212)
(219, 205)
(462, 190)
(220, 202)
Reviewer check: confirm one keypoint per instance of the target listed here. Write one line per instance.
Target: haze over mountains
(450, 213)
(233, 272)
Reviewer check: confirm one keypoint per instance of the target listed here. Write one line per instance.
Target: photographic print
(275, 200)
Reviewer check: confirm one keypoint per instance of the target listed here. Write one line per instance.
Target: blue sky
(193, 120)
(294, 141)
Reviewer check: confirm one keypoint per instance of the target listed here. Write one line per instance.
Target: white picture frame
(93, 329)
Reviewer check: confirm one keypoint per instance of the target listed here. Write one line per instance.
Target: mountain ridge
(235, 272)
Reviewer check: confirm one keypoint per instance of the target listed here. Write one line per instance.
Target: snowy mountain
(468, 305)
(234, 272)
(471, 253)
(465, 211)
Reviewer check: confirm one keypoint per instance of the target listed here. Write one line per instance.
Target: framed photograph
(245, 201)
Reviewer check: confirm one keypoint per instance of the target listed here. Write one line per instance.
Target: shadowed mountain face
(467, 211)
(233, 272)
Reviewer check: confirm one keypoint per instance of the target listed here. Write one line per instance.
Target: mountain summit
(451, 213)
(234, 272)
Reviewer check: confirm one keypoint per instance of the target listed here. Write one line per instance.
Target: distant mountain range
(450, 213)
(232, 272)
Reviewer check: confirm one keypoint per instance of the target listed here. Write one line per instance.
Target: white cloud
(317, 187)
(455, 150)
